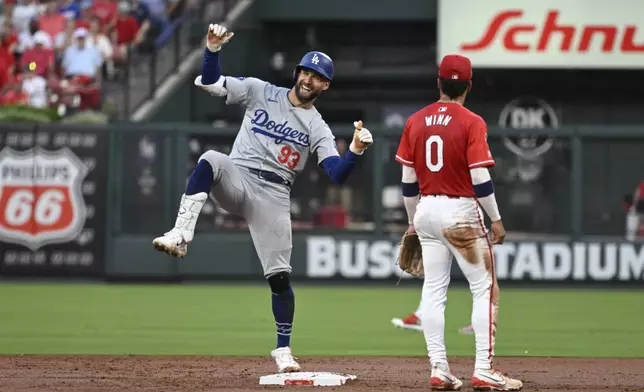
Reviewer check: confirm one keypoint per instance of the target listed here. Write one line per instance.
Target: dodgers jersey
(275, 135)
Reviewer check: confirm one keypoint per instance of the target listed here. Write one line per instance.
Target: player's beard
(313, 94)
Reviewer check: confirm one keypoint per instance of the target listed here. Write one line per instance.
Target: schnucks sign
(543, 34)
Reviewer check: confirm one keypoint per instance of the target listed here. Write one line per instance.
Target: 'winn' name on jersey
(438, 119)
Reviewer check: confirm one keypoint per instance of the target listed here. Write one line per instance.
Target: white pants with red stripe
(450, 227)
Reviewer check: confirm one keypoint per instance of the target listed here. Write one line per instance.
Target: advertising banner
(339, 257)
(52, 201)
(543, 34)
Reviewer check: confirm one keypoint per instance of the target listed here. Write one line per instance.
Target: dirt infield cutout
(148, 373)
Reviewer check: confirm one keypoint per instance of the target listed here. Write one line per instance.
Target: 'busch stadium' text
(531, 261)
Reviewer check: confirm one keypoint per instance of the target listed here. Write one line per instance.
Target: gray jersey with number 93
(275, 135)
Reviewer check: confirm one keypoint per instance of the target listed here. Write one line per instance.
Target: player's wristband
(485, 189)
(410, 190)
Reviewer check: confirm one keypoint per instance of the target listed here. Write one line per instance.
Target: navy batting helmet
(318, 62)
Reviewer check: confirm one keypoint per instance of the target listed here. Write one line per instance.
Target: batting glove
(217, 36)
(362, 139)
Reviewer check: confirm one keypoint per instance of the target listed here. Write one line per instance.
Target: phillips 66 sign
(544, 33)
(41, 195)
(52, 201)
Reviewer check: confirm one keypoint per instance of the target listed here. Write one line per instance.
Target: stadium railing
(145, 72)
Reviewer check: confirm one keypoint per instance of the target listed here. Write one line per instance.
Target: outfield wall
(86, 201)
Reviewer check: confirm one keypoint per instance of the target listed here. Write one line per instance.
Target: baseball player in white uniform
(445, 180)
(280, 130)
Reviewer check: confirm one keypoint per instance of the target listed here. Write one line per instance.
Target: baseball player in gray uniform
(280, 130)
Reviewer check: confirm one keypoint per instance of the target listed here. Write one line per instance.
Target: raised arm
(211, 70)
(211, 80)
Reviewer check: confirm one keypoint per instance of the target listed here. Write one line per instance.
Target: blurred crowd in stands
(61, 51)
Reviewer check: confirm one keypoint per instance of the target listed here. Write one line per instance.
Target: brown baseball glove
(410, 258)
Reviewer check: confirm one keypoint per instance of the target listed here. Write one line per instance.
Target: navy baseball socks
(284, 311)
(201, 179)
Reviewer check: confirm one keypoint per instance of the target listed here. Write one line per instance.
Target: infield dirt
(147, 373)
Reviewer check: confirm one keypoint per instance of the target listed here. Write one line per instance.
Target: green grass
(237, 320)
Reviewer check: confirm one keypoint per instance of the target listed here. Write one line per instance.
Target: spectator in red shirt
(13, 94)
(126, 32)
(51, 22)
(6, 67)
(8, 37)
(40, 59)
(106, 11)
(127, 28)
(8, 44)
